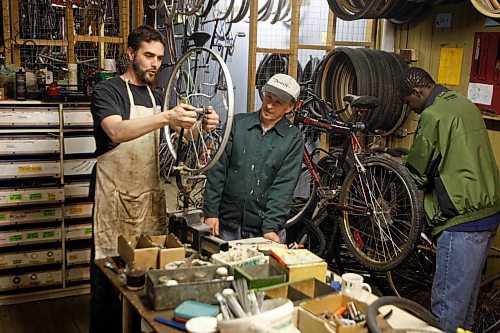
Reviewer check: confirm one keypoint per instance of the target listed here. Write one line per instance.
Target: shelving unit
(45, 214)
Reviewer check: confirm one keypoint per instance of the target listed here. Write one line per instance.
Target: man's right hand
(214, 223)
(183, 115)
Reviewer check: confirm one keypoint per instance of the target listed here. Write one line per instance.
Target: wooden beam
(274, 51)
(125, 20)
(14, 23)
(70, 28)
(48, 42)
(293, 60)
(331, 29)
(97, 39)
(252, 56)
(137, 14)
(6, 32)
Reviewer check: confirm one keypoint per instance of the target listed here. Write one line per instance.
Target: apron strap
(131, 97)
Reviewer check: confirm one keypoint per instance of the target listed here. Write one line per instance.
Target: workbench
(138, 301)
(135, 300)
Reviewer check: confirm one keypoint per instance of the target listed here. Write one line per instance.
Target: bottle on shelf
(21, 91)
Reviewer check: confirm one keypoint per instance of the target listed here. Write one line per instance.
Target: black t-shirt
(110, 97)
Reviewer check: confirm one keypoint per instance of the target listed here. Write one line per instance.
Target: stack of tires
(362, 71)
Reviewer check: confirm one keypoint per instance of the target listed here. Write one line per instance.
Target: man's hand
(214, 223)
(272, 236)
(210, 120)
(183, 115)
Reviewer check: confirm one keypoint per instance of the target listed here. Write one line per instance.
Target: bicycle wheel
(312, 238)
(305, 196)
(487, 314)
(413, 278)
(201, 79)
(406, 304)
(381, 213)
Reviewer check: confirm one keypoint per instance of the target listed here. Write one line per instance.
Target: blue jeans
(460, 259)
(230, 234)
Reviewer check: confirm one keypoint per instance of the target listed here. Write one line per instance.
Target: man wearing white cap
(249, 191)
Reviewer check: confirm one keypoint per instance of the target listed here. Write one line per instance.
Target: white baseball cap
(284, 86)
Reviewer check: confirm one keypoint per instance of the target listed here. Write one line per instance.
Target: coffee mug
(352, 286)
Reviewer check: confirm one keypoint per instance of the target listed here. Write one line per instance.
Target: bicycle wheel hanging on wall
(381, 213)
(200, 78)
(271, 64)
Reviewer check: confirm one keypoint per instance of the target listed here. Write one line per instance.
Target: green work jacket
(452, 160)
(253, 182)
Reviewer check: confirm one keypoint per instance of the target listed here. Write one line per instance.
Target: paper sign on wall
(450, 66)
(480, 93)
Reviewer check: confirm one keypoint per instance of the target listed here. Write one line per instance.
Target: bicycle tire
(202, 156)
(391, 202)
(312, 239)
(406, 304)
(303, 206)
(487, 314)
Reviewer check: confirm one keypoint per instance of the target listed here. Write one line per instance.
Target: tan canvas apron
(129, 198)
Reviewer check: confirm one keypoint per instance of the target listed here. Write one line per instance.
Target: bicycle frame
(351, 143)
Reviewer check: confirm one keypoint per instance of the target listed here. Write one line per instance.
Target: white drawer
(79, 145)
(30, 236)
(30, 280)
(11, 217)
(36, 116)
(29, 145)
(38, 257)
(78, 211)
(77, 117)
(78, 274)
(79, 167)
(74, 257)
(30, 169)
(11, 197)
(79, 231)
(76, 190)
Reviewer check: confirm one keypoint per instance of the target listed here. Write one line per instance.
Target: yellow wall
(427, 41)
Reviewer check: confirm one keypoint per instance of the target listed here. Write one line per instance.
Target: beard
(141, 74)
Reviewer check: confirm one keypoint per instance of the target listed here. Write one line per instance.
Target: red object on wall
(485, 67)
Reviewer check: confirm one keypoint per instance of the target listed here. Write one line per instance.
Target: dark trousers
(105, 303)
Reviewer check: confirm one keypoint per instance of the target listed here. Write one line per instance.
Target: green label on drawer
(48, 234)
(3, 217)
(15, 197)
(35, 196)
(14, 238)
(49, 213)
(88, 231)
(32, 235)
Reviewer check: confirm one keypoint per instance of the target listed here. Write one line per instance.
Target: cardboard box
(146, 253)
(316, 307)
(299, 272)
(299, 291)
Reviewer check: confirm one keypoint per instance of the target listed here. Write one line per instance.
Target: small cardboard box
(299, 272)
(146, 252)
(174, 250)
(299, 291)
(330, 303)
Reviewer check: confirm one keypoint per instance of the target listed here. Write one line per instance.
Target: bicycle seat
(366, 102)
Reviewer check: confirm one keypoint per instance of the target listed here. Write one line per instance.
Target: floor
(61, 315)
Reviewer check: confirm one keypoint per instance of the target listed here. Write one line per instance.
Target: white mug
(353, 285)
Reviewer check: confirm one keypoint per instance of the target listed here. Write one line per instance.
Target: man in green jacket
(249, 191)
(451, 159)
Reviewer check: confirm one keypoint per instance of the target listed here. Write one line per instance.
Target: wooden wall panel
(427, 40)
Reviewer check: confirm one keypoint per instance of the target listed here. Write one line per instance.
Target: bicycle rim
(385, 234)
(201, 79)
(487, 314)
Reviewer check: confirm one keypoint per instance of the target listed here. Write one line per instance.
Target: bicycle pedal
(326, 192)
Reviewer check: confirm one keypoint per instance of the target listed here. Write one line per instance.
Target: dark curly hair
(414, 77)
(144, 33)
